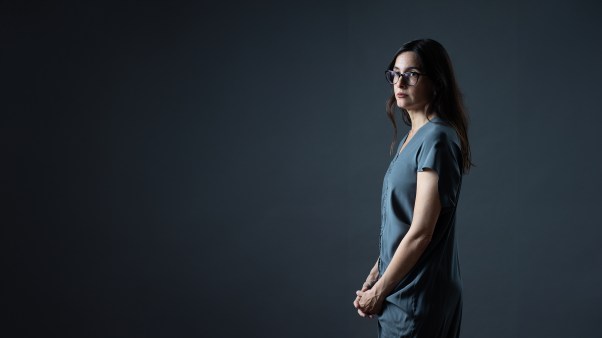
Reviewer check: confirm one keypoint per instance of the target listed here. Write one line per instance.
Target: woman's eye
(413, 74)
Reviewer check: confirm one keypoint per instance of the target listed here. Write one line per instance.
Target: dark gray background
(210, 169)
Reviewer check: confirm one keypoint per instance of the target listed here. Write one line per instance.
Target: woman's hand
(369, 302)
(367, 285)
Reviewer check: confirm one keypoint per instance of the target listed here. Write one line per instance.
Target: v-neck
(402, 147)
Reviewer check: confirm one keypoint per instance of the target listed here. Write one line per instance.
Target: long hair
(446, 101)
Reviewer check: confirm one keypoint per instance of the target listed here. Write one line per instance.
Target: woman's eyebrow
(407, 68)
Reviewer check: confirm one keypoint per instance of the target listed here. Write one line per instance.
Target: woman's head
(444, 98)
(412, 87)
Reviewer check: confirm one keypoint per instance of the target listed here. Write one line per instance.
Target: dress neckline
(402, 147)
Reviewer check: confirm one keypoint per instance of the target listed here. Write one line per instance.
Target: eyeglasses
(409, 78)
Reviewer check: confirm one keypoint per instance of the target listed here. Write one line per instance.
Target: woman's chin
(401, 103)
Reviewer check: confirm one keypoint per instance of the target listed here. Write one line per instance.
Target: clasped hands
(368, 300)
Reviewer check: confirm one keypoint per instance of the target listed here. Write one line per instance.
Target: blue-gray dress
(427, 302)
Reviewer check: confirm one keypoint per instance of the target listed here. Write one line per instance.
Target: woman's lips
(401, 95)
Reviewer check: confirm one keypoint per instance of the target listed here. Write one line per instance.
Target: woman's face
(416, 97)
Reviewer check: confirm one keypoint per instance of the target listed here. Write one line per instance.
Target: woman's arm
(370, 280)
(372, 277)
(413, 244)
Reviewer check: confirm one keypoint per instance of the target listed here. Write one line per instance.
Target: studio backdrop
(213, 169)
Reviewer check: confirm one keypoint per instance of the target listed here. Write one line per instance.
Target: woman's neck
(419, 119)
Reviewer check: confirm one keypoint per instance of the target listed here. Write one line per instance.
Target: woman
(415, 288)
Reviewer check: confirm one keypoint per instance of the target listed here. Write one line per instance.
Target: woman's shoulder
(440, 130)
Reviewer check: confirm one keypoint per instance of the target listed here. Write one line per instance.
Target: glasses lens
(411, 79)
(390, 75)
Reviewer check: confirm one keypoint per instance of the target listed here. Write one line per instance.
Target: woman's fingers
(356, 303)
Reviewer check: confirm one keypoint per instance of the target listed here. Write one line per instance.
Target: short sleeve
(439, 153)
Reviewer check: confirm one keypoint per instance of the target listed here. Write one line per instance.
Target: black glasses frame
(405, 76)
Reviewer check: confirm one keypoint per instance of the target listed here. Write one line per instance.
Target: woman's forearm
(407, 254)
(373, 275)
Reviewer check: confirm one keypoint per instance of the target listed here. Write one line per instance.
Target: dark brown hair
(447, 99)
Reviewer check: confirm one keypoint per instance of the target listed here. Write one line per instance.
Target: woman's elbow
(421, 241)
